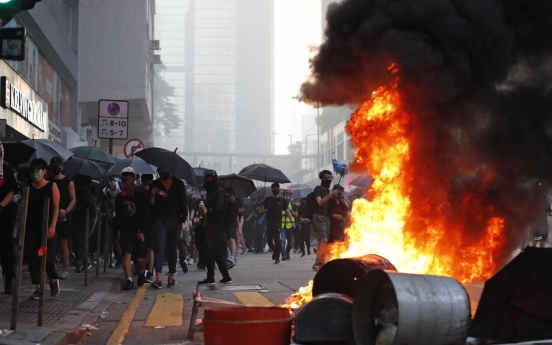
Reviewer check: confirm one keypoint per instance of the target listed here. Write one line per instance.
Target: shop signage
(54, 132)
(12, 98)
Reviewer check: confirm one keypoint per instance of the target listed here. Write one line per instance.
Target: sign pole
(111, 146)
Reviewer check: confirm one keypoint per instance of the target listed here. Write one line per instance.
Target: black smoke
(478, 76)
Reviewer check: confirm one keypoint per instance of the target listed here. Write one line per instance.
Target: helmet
(128, 170)
(287, 191)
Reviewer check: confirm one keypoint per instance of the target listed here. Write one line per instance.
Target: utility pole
(318, 135)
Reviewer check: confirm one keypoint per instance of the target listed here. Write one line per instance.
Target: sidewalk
(64, 315)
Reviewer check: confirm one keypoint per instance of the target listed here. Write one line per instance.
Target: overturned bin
(397, 308)
(343, 275)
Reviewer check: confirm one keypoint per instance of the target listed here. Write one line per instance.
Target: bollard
(20, 248)
(86, 234)
(98, 244)
(43, 259)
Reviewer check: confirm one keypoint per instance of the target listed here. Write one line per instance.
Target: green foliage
(296, 148)
(165, 111)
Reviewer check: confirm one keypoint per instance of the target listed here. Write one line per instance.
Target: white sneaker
(190, 261)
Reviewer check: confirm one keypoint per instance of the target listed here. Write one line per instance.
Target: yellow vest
(286, 222)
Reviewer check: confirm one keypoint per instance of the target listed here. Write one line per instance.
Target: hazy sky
(297, 27)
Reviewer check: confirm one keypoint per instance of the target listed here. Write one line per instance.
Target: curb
(64, 338)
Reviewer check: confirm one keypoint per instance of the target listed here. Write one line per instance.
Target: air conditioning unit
(156, 59)
(154, 45)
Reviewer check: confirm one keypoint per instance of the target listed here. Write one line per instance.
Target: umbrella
(516, 302)
(136, 163)
(243, 186)
(46, 149)
(340, 168)
(198, 176)
(265, 173)
(81, 166)
(263, 192)
(94, 153)
(300, 190)
(16, 152)
(361, 181)
(169, 161)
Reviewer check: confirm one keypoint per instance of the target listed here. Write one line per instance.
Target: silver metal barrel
(419, 309)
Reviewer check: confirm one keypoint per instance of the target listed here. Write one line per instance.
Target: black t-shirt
(172, 204)
(131, 212)
(335, 208)
(274, 208)
(83, 203)
(63, 186)
(322, 193)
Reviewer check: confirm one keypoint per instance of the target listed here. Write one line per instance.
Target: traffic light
(9, 8)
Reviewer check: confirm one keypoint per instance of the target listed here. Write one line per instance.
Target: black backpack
(310, 206)
(231, 211)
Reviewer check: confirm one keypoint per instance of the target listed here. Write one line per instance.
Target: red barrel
(247, 325)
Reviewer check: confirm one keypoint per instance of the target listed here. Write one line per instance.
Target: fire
(416, 238)
(304, 295)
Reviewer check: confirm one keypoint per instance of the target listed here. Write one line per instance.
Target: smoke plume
(477, 76)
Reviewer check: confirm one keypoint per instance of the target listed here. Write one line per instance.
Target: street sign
(112, 119)
(132, 146)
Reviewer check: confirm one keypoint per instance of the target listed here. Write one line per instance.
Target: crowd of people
(155, 221)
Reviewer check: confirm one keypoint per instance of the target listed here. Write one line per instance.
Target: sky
(296, 30)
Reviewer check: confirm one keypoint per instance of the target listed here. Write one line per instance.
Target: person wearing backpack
(274, 205)
(231, 224)
(320, 219)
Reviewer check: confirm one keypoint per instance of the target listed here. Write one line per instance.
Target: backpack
(310, 206)
(231, 211)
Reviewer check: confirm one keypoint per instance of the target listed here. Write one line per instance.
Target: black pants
(33, 240)
(273, 237)
(259, 237)
(7, 252)
(217, 243)
(249, 233)
(200, 244)
(305, 236)
(182, 248)
(297, 237)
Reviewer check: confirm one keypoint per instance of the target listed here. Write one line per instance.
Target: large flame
(380, 129)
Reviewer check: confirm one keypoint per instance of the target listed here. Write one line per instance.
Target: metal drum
(343, 275)
(410, 309)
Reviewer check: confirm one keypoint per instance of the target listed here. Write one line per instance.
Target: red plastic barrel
(249, 325)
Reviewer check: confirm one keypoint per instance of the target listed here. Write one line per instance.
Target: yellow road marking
(118, 335)
(167, 311)
(253, 299)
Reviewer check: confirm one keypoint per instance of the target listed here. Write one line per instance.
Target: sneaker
(230, 263)
(8, 287)
(157, 284)
(171, 283)
(35, 295)
(119, 262)
(141, 279)
(274, 257)
(226, 280)
(190, 261)
(78, 268)
(302, 254)
(184, 266)
(64, 275)
(207, 281)
(316, 266)
(149, 277)
(168, 273)
(245, 251)
(288, 257)
(308, 252)
(276, 262)
(284, 257)
(129, 285)
(200, 266)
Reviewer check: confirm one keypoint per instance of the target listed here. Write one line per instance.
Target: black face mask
(55, 170)
(164, 175)
(275, 192)
(210, 186)
(326, 183)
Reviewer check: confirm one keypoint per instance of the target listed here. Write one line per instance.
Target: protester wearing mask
(215, 232)
(169, 211)
(145, 183)
(107, 201)
(86, 200)
(288, 225)
(38, 190)
(131, 221)
(320, 219)
(274, 205)
(337, 210)
(260, 229)
(67, 201)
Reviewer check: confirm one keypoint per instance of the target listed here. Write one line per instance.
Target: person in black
(306, 229)
(273, 206)
(131, 222)
(199, 230)
(337, 211)
(169, 211)
(259, 230)
(215, 232)
(320, 219)
(145, 182)
(38, 190)
(86, 200)
(248, 225)
(67, 201)
(8, 189)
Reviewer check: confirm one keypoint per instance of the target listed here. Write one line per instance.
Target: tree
(165, 111)
(296, 148)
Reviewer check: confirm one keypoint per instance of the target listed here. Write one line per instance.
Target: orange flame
(381, 130)
(304, 295)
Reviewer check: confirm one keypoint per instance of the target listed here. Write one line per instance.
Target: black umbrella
(82, 166)
(16, 152)
(300, 190)
(516, 303)
(264, 192)
(169, 161)
(265, 173)
(243, 186)
(46, 149)
(138, 164)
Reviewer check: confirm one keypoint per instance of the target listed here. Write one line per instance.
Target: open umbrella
(46, 149)
(169, 161)
(263, 192)
(516, 303)
(16, 152)
(361, 181)
(81, 166)
(243, 186)
(93, 153)
(340, 168)
(138, 164)
(265, 173)
(300, 190)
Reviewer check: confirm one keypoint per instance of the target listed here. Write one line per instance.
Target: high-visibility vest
(286, 222)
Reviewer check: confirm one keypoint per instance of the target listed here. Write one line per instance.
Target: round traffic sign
(132, 146)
